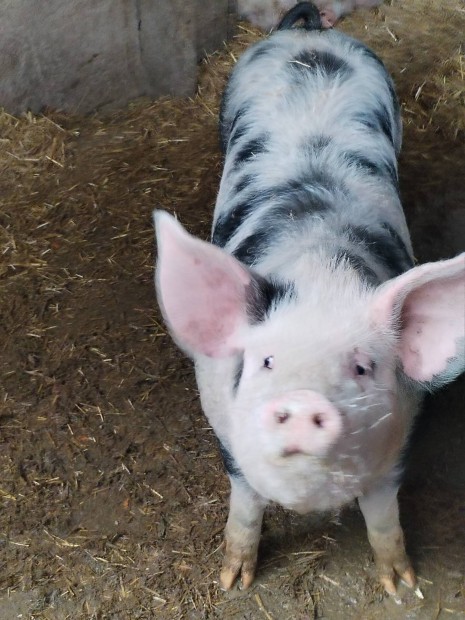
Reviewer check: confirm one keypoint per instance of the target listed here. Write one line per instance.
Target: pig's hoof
(405, 573)
(235, 565)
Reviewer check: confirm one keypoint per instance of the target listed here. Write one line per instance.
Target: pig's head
(317, 374)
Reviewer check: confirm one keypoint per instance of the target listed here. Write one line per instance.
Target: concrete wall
(80, 55)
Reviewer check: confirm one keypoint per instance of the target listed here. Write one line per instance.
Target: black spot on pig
(229, 463)
(253, 247)
(230, 133)
(249, 150)
(228, 223)
(299, 198)
(318, 144)
(238, 132)
(366, 51)
(260, 50)
(265, 294)
(377, 119)
(288, 202)
(359, 265)
(385, 246)
(314, 61)
(399, 244)
(383, 168)
(244, 183)
(238, 373)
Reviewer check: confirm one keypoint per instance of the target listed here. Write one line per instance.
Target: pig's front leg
(242, 533)
(381, 512)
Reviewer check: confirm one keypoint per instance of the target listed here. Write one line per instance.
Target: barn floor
(113, 499)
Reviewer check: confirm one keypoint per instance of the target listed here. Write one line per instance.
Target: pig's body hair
(311, 131)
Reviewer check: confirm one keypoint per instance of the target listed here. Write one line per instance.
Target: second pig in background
(265, 14)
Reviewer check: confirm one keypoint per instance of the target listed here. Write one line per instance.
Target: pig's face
(313, 414)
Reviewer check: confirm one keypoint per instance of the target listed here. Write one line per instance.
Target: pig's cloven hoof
(232, 566)
(406, 573)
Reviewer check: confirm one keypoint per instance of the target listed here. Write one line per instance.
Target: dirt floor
(113, 498)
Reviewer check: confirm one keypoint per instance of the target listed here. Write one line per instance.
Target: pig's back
(311, 130)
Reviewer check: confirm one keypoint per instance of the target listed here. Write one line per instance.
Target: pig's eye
(268, 362)
(364, 369)
(361, 367)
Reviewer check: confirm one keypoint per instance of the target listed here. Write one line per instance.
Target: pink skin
(302, 422)
(220, 280)
(429, 301)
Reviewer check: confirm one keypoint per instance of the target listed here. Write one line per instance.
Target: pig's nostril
(317, 420)
(282, 416)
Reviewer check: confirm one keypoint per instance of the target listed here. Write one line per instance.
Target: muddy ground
(113, 498)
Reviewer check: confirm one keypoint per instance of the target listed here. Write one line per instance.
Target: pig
(265, 14)
(313, 334)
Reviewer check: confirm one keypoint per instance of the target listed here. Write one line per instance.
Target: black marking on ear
(319, 61)
(359, 265)
(229, 462)
(265, 294)
(238, 373)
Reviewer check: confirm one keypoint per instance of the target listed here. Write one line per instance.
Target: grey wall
(80, 55)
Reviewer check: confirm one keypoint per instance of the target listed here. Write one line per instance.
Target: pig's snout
(302, 422)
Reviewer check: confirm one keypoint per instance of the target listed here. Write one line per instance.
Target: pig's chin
(304, 482)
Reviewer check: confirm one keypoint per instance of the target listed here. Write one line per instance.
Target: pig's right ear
(426, 306)
(202, 291)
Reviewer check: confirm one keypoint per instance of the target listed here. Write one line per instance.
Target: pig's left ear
(427, 306)
(202, 291)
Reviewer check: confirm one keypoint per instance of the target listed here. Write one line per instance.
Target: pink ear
(201, 290)
(428, 303)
